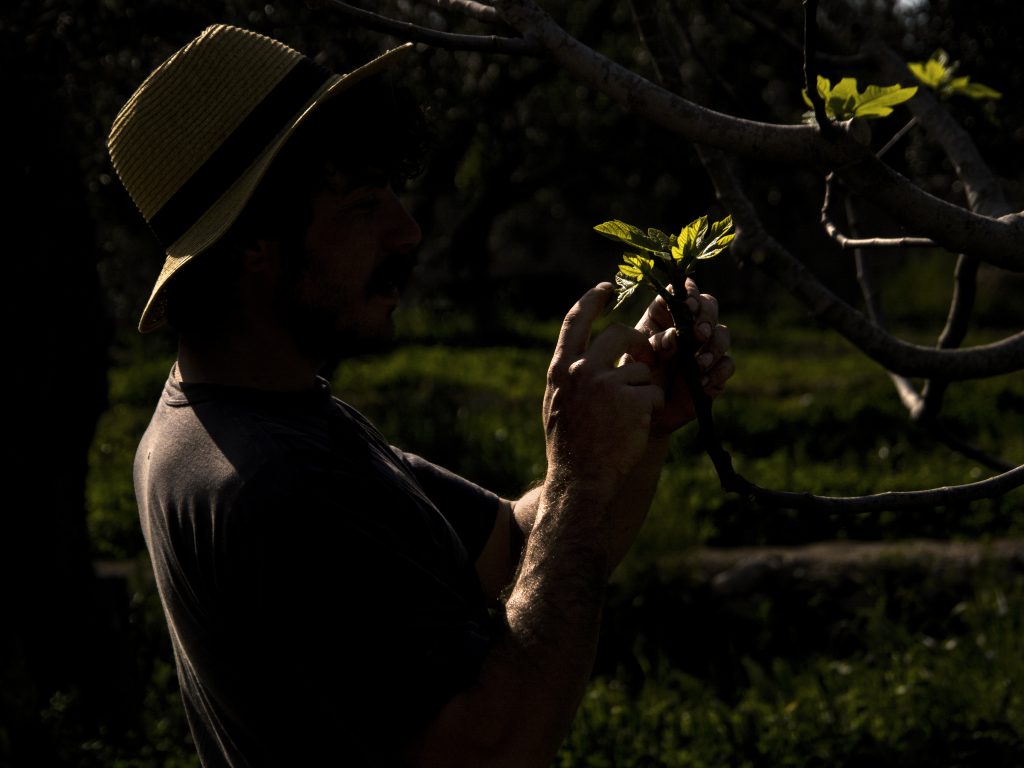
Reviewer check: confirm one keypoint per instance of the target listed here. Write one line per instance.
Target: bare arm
(631, 503)
(598, 416)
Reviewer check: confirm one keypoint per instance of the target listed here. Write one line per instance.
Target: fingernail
(704, 381)
(705, 360)
(704, 329)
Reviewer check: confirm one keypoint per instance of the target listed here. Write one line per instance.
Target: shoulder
(205, 446)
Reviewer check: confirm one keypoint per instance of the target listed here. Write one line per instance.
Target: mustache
(392, 274)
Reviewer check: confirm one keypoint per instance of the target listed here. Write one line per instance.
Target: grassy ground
(804, 412)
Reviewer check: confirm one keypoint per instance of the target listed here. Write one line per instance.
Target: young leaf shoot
(938, 74)
(659, 260)
(844, 101)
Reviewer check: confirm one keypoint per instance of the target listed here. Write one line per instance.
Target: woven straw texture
(185, 110)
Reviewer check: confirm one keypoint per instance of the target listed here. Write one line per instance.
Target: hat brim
(219, 217)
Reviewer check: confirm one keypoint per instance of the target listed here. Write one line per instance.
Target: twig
(990, 488)
(896, 137)
(664, 58)
(712, 73)
(860, 260)
(965, 288)
(448, 40)
(707, 434)
(905, 389)
(872, 242)
(893, 354)
(942, 433)
(825, 125)
(767, 25)
(984, 194)
(923, 407)
(878, 242)
(475, 10)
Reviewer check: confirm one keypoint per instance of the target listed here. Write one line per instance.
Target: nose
(404, 234)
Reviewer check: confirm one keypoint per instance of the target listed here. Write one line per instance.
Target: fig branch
(660, 261)
(657, 261)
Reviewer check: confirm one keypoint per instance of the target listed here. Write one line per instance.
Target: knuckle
(556, 370)
(576, 369)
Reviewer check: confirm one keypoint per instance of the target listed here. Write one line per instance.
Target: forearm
(630, 504)
(532, 681)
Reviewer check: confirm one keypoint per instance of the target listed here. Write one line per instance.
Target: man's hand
(598, 414)
(712, 341)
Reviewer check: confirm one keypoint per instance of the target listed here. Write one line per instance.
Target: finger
(665, 343)
(618, 340)
(575, 333)
(656, 318)
(715, 378)
(705, 317)
(693, 295)
(634, 374)
(693, 298)
(719, 343)
(654, 395)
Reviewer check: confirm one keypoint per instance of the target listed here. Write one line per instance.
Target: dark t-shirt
(318, 584)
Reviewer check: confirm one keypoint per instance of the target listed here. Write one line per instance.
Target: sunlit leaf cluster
(844, 101)
(938, 74)
(659, 260)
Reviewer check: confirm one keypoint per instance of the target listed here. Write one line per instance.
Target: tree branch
(984, 193)
(799, 144)
(893, 354)
(998, 241)
(651, 35)
(408, 31)
(909, 396)
(857, 243)
(965, 288)
(991, 488)
(923, 407)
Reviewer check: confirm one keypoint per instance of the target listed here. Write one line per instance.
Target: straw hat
(194, 140)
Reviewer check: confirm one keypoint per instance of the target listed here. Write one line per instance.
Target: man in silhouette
(330, 598)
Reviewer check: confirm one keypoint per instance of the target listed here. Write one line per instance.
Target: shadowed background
(765, 664)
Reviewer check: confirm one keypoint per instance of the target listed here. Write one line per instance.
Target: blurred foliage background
(901, 666)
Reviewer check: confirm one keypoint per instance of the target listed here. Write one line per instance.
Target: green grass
(903, 698)
(474, 410)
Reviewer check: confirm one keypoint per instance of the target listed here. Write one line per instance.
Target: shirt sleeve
(468, 508)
